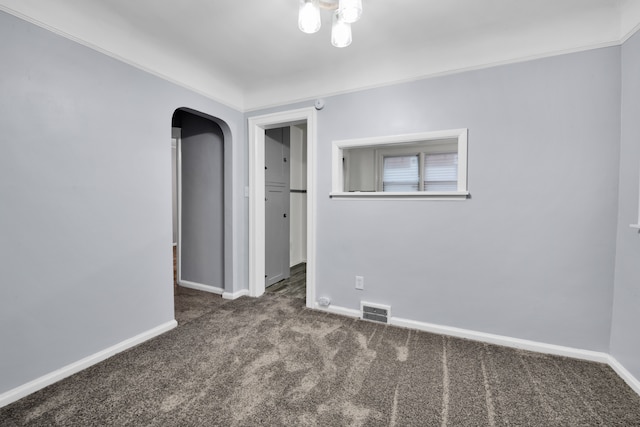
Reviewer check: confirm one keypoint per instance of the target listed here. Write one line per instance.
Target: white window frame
(397, 144)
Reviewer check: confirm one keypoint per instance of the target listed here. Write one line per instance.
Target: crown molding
(238, 106)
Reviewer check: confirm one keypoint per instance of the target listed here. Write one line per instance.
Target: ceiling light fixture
(350, 10)
(309, 16)
(345, 12)
(340, 31)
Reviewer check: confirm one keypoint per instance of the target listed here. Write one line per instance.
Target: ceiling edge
(246, 107)
(233, 105)
(601, 45)
(629, 19)
(630, 33)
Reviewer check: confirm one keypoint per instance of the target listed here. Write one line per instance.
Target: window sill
(635, 226)
(372, 195)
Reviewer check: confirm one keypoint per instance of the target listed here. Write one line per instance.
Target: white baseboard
(349, 312)
(632, 381)
(594, 356)
(539, 347)
(200, 287)
(59, 374)
(235, 295)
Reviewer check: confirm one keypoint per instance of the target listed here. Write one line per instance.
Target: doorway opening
(258, 126)
(285, 210)
(199, 202)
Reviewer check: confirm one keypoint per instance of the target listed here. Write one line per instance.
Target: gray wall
(85, 191)
(202, 239)
(531, 254)
(625, 345)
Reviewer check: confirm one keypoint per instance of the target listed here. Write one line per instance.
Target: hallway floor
(295, 286)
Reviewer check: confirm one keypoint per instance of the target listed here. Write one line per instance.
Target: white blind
(441, 172)
(401, 173)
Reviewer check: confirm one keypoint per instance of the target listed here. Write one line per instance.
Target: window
(426, 165)
(419, 167)
(400, 173)
(441, 172)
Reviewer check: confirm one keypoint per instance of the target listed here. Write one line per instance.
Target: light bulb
(309, 16)
(350, 10)
(340, 32)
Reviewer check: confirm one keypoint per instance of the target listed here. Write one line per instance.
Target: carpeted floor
(272, 362)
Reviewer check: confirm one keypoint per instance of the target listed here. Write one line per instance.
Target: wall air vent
(375, 312)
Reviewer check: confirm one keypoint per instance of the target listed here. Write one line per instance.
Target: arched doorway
(200, 200)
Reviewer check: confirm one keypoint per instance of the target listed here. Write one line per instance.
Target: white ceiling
(250, 54)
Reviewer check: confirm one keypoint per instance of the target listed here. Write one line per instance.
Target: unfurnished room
(320, 213)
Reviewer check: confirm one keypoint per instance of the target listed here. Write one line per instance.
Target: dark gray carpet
(272, 362)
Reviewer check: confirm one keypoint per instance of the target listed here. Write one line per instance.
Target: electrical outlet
(359, 282)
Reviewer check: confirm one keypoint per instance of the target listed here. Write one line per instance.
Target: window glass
(400, 173)
(441, 172)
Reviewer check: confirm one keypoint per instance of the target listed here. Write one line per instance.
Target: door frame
(257, 126)
(176, 133)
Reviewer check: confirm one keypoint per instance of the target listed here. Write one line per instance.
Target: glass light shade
(350, 10)
(309, 16)
(340, 32)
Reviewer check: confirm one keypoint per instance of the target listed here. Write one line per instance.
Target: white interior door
(277, 176)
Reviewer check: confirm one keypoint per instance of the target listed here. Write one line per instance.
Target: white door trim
(176, 133)
(257, 126)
